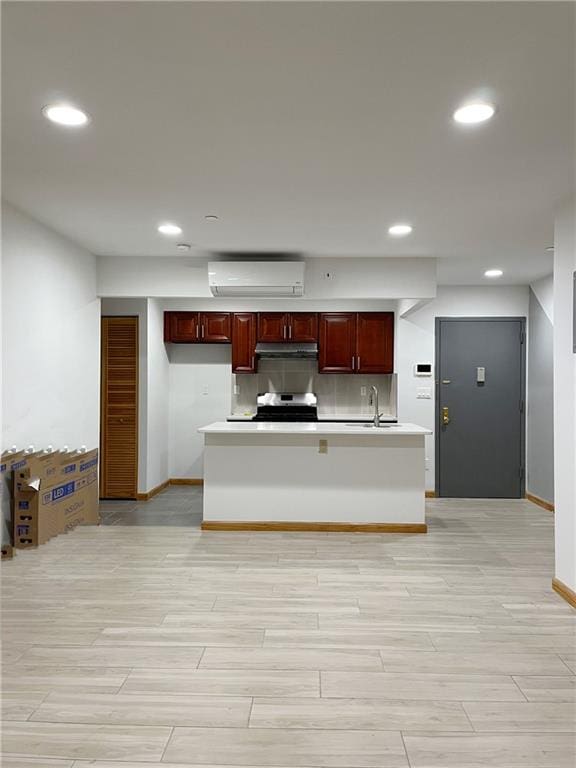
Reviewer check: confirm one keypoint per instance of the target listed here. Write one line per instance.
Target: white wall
(50, 337)
(200, 393)
(565, 395)
(157, 469)
(415, 343)
(344, 278)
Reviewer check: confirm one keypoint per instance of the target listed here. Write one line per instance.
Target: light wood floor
(133, 646)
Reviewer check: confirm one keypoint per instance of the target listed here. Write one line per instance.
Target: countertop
(308, 428)
(336, 417)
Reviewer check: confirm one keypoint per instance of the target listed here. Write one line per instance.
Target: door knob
(445, 416)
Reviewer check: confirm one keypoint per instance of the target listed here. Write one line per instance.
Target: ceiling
(306, 127)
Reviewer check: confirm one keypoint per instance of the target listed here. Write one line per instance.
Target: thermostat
(423, 369)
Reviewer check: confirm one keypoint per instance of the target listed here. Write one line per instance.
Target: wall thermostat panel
(423, 369)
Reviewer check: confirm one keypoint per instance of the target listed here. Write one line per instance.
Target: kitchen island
(314, 476)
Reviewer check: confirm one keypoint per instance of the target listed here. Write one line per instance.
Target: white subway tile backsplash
(337, 393)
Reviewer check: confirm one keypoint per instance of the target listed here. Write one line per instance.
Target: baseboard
(540, 502)
(149, 494)
(186, 481)
(568, 594)
(430, 494)
(232, 525)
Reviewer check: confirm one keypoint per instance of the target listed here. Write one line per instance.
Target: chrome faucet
(374, 402)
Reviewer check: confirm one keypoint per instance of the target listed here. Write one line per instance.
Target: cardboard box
(8, 463)
(43, 510)
(76, 465)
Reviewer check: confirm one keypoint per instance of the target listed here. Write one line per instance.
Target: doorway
(119, 408)
(480, 407)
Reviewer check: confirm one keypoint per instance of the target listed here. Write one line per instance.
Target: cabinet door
(272, 326)
(215, 327)
(244, 342)
(337, 342)
(181, 327)
(375, 342)
(303, 326)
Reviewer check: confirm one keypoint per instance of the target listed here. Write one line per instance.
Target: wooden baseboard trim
(540, 502)
(226, 525)
(430, 494)
(150, 494)
(568, 594)
(186, 481)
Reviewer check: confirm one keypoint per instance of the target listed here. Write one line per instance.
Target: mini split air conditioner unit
(256, 278)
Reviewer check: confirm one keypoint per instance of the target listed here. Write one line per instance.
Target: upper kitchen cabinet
(337, 342)
(352, 342)
(287, 326)
(182, 327)
(244, 342)
(215, 327)
(198, 327)
(375, 342)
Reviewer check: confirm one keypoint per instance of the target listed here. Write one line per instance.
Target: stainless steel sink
(372, 426)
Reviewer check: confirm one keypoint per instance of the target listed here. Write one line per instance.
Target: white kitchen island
(314, 476)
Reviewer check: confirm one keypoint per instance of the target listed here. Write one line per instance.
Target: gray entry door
(480, 373)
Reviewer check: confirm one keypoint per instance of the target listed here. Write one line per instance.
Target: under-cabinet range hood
(290, 350)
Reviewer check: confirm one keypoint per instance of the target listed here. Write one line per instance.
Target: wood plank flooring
(140, 643)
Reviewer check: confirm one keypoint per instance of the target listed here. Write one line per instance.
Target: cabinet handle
(352, 362)
(253, 366)
(289, 331)
(358, 363)
(285, 333)
(202, 331)
(197, 331)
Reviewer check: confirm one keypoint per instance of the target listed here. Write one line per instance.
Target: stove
(287, 406)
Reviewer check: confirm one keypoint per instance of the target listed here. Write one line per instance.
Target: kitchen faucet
(374, 402)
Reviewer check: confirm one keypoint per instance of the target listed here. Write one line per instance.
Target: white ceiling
(307, 127)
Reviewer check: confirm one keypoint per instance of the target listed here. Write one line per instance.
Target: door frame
(437, 407)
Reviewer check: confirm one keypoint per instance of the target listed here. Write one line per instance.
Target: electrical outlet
(323, 446)
(424, 393)
(362, 391)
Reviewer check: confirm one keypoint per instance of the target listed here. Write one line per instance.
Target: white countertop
(321, 417)
(307, 428)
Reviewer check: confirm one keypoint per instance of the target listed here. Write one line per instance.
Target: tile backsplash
(337, 393)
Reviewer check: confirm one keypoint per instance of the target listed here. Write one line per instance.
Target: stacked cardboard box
(9, 462)
(54, 493)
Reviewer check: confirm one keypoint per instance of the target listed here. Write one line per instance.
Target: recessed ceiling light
(550, 248)
(169, 229)
(474, 113)
(493, 273)
(211, 217)
(399, 230)
(65, 114)
(183, 246)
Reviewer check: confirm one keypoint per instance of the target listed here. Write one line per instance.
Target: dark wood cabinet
(337, 342)
(215, 327)
(272, 326)
(244, 342)
(356, 342)
(198, 327)
(287, 326)
(181, 327)
(375, 342)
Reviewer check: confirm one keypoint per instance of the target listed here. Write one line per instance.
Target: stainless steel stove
(286, 406)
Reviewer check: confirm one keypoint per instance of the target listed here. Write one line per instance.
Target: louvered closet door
(119, 408)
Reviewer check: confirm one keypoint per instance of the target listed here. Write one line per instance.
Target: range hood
(308, 351)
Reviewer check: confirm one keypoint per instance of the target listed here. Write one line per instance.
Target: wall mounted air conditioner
(256, 278)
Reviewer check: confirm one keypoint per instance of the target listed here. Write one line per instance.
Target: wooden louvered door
(119, 408)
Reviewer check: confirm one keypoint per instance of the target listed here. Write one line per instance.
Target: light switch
(481, 375)
(424, 393)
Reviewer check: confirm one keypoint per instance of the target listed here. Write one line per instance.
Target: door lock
(445, 416)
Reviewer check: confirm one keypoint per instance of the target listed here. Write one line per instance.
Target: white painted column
(565, 396)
